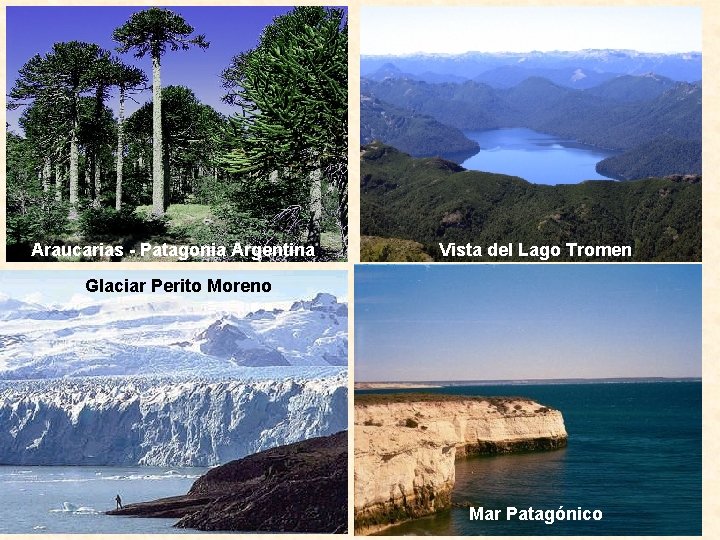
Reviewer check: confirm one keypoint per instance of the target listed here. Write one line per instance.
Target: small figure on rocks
(118, 502)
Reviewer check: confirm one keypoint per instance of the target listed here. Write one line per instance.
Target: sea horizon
(513, 382)
(634, 453)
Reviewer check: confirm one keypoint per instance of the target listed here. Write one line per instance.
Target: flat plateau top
(414, 397)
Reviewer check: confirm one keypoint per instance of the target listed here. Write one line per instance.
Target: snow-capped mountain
(167, 337)
(166, 422)
(682, 66)
(141, 381)
(10, 306)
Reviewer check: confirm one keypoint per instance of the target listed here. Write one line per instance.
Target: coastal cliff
(300, 487)
(406, 446)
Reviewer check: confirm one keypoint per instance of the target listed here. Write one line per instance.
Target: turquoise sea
(634, 453)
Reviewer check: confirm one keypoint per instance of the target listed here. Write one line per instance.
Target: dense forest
(176, 171)
(410, 205)
(654, 123)
(417, 134)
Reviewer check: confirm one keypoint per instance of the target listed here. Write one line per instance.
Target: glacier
(167, 381)
(146, 337)
(166, 421)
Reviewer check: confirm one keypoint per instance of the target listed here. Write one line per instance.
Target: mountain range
(645, 107)
(142, 381)
(499, 68)
(167, 337)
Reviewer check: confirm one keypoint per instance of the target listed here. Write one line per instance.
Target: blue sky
(68, 287)
(230, 31)
(457, 29)
(482, 322)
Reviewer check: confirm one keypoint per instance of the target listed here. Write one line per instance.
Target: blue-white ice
(167, 383)
(167, 421)
(167, 337)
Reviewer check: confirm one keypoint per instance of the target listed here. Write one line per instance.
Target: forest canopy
(268, 169)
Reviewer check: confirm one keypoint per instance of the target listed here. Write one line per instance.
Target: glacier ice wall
(163, 421)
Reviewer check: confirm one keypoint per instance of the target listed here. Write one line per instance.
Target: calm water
(74, 499)
(634, 452)
(537, 157)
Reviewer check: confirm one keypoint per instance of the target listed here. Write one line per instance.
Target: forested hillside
(81, 170)
(430, 200)
(626, 114)
(418, 134)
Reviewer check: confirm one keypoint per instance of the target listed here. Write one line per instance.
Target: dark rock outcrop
(685, 178)
(300, 487)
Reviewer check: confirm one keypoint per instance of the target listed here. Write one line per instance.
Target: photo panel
(181, 133)
(204, 401)
(531, 134)
(528, 400)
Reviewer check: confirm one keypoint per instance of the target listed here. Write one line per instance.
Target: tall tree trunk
(46, 175)
(74, 168)
(87, 184)
(120, 147)
(158, 207)
(315, 206)
(99, 99)
(98, 179)
(342, 212)
(167, 177)
(58, 182)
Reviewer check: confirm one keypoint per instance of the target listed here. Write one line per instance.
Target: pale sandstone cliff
(406, 446)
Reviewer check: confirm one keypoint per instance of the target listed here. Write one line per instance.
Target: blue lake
(537, 157)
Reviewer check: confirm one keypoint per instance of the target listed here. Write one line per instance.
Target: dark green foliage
(43, 220)
(21, 163)
(293, 91)
(32, 215)
(417, 134)
(98, 223)
(210, 192)
(59, 75)
(126, 77)
(599, 119)
(465, 106)
(191, 137)
(428, 201)
(257, 217)
(153, 30)
(46, 125)
(409, 422)
(630, 88)
(660, 157)
(376, 249)
(74, 149)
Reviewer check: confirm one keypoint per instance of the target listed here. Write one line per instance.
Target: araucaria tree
(152, 32)
(293, 91)
(61, 77)
(189, 129)
(126, 78)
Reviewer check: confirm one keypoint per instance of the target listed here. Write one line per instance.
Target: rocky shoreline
(300, 488)
(406, 446)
